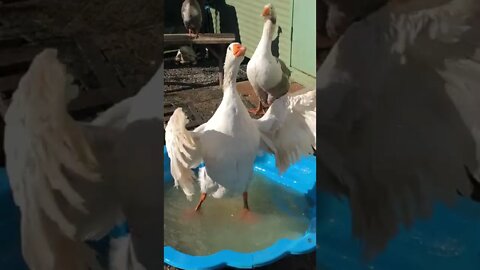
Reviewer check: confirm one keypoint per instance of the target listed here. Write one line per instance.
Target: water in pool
(279, 213)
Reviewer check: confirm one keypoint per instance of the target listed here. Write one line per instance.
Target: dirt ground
(196, 85)
(129, 33)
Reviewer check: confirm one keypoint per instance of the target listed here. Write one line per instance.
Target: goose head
(269, 13)
(235, 53)
(233, 59)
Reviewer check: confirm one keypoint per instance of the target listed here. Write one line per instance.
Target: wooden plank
(193, 116)
(84, 101)
(168, 109)
(88, 99)
(12, 42)
(9, 83)
(14, 56)
(3, 107)
(219, 51)
(14, 2)
(207, 38)
(17, 68)
(87, 106)
(111, 87)
(7, 5)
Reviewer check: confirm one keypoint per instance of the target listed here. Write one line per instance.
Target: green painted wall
(304, 45)
(243, 18)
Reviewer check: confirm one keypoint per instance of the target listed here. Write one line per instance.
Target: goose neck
(230, 78)
(267, 36)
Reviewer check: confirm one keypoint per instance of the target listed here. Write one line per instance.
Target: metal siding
(251, 24)
(304, 36)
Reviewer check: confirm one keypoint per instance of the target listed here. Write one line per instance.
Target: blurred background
(111, 47)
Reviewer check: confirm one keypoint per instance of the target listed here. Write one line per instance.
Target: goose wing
(288, 128)
(285, 70)
(183, 151)
(283, 85)
(44, 148)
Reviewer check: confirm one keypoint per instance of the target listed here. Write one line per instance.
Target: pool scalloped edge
(305, 172)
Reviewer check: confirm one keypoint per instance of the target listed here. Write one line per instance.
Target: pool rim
(264, 165)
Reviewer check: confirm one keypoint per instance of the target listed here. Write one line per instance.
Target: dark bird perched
(192, 16)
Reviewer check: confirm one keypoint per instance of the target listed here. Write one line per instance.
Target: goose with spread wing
(399, 114)
(268, 75)
(72, 181)
(230, 140)
(55, 174)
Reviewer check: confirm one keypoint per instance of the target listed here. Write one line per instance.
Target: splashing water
(280, 213)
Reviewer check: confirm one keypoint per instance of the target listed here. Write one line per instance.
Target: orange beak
(239, 50)
(266, 11)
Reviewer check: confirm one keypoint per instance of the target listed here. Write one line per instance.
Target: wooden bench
(99, 87)
(216, 44)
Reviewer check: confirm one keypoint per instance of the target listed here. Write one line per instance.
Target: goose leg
(245, 201)
(202, 199)
(262, 100)
(255, 111)
(264, 109)
(259, 110)
(247, 215)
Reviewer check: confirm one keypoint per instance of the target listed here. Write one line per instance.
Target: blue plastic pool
(299, 177)
(10, 251)
(10, 248)
(449, 240)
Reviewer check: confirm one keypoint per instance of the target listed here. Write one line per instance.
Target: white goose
(230, 140)
(267, 74)
(400, 114)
